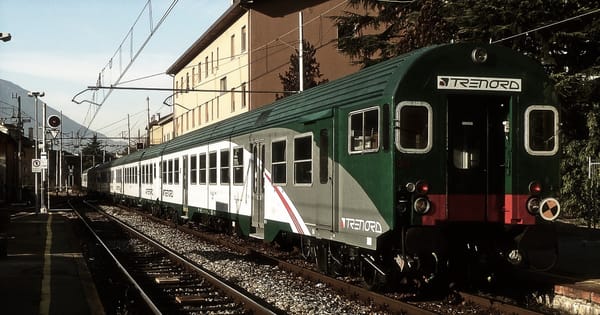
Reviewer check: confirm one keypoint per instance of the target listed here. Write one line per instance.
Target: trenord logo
(478, 83)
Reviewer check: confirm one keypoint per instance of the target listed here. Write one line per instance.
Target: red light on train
(422, 187)
(535, 187)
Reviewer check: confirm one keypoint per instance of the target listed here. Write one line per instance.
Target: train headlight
(479, 55)
(549, 209)
(533, 205)
(421, 205)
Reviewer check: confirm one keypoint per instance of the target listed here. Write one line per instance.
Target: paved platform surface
(44, 271)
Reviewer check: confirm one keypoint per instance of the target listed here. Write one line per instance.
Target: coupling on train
(404, 167)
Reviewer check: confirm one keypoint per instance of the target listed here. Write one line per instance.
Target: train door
(476, 157)
(184, 185)
(258, 186)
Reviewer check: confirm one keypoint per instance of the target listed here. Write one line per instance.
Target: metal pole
(60, 156)
(37, 146)
(148, 129)
(43, 208)
(300, 53)
(19, 150)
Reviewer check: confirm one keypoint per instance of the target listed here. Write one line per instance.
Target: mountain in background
(9, 109)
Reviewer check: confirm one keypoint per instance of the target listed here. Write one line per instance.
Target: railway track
(472, 304)
(166, 282)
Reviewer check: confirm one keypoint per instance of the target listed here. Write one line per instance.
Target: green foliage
(564, 36)
(92, 153)
(290, 80)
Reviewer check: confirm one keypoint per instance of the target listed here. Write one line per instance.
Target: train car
(405, 167)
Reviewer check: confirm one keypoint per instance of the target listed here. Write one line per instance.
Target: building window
(176, 88)
(217, 58)
(243, 94)
(212, 167)
(238, 165)
(232, 46)
(193, 118)
(225, 167)
(212, 62)
(243, 39)
(233, 100)
(202, 168)
(199, 72)
(363, 133)
(206, 66)
(181, 84)
(414, 129)
(223, 85)
(278, 162)
(303, 160)
(193, 77)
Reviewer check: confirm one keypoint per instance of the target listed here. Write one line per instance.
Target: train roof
(378, 84)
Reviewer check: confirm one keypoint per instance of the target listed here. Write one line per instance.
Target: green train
(405, 167)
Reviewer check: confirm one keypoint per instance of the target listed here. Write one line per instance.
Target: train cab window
(303, 160)
(212, 167)
(202, 168)
(363, 134)
(413, 127)
(193, 169)
(541, 130)
(278, 162)
(225, 167)
(238, 165)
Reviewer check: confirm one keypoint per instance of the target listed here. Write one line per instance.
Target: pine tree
(312, 73)
(92, 153)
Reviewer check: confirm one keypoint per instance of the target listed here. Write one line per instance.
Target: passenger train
(405, 167)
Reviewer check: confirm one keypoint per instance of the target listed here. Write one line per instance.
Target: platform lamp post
(36, 95)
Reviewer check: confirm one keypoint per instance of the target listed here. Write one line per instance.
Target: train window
(238, 165)
(225, 167)
(541, 130)
(363, 135)
(193, 169)
(170, 172)
(278, 162)
(303, 160)
(413, 127)
(202, 169)
(164, 172)
(212, 167)
(176, 171)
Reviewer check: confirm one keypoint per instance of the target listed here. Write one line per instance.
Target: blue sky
(61, 46)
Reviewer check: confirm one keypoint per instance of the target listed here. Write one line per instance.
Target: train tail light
(422, 187)
(535, 188)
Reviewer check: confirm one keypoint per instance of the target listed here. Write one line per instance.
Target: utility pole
(37, 95)
(60, 155)
(19, 148)
(300, 53)
(148, 128)
(128, 136)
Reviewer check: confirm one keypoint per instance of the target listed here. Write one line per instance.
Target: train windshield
(541, 130)
(413, 127)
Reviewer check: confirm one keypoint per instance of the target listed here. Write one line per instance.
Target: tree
(312, 73)
(92, 153)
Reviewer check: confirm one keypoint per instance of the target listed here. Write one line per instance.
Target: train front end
(477, 159)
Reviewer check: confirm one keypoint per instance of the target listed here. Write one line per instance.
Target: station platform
(43, 271)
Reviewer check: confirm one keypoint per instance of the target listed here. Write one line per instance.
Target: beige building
(235, 65)
(161, 129)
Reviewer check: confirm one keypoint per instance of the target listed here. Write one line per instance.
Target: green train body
(398, 165)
